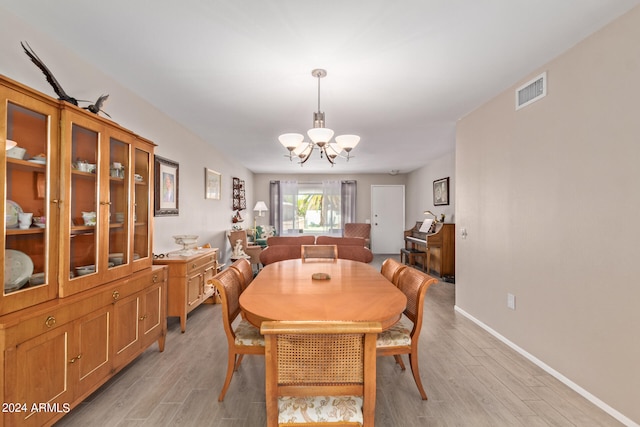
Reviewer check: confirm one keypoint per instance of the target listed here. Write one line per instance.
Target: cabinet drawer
(200, 263)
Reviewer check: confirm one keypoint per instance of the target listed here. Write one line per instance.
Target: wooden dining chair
(318, 252)
(244, 338)
(391, 269)
(243, 266)
(320, 372)
(403, 339)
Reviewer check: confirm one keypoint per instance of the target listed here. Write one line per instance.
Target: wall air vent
(531, 91)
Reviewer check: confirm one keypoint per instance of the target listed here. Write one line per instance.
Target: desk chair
(401, 338)
(318, 252)
(245, 338)
(310, 362)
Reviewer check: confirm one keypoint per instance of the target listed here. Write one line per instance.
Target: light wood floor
(471, 378)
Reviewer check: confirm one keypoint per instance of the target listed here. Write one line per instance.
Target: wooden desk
(356, 291)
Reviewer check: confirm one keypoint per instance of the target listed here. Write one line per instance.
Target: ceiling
(400, 73)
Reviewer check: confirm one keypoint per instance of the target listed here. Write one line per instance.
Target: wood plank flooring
(471, 378)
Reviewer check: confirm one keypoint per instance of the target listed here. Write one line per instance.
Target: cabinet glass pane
(26, 204)
(141, 205)
(84, 201)
(119, 203)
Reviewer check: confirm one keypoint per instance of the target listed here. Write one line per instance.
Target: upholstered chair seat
(247, 334)
(320, 409)
(396, 336)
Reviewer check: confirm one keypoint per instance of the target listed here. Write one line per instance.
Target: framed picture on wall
(212, 184)
(166, 187)
(441, 192)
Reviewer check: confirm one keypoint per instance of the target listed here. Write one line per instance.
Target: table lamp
(259, 207)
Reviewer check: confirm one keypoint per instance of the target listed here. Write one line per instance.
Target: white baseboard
(584, 393)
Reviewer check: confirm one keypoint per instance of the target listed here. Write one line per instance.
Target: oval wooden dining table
(355, 291)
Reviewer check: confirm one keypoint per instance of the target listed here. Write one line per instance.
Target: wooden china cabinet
(81, 297)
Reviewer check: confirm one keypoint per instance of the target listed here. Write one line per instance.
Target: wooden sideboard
(188, 281)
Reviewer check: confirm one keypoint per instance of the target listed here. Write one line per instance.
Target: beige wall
(419, 192)
(550, 197)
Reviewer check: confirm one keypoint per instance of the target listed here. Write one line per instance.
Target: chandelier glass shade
(320, 137)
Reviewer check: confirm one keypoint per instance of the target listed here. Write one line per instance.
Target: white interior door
(387, 219)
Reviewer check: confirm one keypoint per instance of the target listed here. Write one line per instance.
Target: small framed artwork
(212, 184)
(166, 187)
(441, 192)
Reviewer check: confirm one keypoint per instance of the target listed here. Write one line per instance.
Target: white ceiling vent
(531, 91)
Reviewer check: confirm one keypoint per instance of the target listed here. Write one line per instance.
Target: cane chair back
(319, 252)
(391, 269)
(401, 338)
(311, 363)
(244, 338)
(243, 267)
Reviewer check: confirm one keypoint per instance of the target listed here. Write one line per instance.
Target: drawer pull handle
(78, 357)
(115, 295)
(50, 321)
(143, 317)
(155, 278)
(193, 265)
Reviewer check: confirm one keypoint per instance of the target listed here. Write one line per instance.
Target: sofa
(280, 248)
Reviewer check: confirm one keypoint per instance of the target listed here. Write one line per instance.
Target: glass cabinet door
(84, 208)
(29, 200)
(142, 214)
(118, 202)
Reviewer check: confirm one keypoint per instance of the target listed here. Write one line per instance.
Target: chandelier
(320, 137)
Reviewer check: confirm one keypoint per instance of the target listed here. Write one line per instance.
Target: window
(312, 207)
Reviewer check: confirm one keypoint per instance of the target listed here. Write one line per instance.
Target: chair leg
(413, 361)
(399, 361)
(231, 364)
(238, 361)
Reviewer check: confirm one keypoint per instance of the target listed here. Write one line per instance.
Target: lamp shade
(290, 140)
(347, 142)
(303, 150)
(320, 135)
(10, 144)
(260, 206)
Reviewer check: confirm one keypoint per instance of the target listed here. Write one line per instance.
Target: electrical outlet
(511, 301)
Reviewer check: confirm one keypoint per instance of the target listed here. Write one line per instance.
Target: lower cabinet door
(194, 291)
(153, 315)
(91, 356)
(37, 386)
(126, 331)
